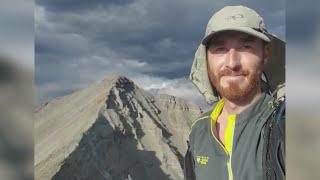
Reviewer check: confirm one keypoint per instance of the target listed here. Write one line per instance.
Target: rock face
(112, 130)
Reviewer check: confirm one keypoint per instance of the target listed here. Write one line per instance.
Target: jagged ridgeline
(112, 130)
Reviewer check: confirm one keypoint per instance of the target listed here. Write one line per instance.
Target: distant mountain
(112, 130)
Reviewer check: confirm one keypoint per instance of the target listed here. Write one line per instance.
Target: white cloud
(179, 87)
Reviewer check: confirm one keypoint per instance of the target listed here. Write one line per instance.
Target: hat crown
(235, 16)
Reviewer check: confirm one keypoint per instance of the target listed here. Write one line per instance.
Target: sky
(77, 43)
(151, 42)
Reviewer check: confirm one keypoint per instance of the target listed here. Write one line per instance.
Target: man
(233, 140)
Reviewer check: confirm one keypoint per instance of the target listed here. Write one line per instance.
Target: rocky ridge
(112, 130)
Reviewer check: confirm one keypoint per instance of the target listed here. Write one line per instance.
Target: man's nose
(233, 59)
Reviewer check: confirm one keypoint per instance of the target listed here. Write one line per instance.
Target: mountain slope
(112, 130)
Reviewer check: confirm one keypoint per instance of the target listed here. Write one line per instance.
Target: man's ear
(266, 50)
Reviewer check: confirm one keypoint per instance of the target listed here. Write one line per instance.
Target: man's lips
(233, 75)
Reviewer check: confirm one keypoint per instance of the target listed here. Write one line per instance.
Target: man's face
(235, 62)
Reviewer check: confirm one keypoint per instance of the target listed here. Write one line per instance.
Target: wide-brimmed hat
(242, 19)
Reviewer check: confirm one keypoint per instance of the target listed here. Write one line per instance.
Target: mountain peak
(118, 81)
(122, 81)
(115, 128)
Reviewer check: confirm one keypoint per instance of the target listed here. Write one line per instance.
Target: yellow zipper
(214, 117)
(229, 167)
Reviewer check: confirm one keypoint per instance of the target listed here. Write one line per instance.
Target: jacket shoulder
(200, 123)
(200, 120)
(198, 129)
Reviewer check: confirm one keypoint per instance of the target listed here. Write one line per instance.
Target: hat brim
(247, 30)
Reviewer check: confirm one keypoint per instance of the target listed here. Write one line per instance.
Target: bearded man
(229, 142)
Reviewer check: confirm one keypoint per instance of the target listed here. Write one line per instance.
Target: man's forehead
(221, 37)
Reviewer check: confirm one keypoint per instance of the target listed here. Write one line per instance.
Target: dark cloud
(78, 5)
(302, 21)
(90, 38)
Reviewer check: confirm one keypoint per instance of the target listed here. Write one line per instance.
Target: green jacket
(206, 159)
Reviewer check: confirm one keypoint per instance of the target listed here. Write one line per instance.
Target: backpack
(273, 156)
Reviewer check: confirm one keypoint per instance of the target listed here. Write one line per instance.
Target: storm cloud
(80, 42)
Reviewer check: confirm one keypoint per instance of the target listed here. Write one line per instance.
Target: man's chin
(232, 94)
(233, 85)
(234, 90)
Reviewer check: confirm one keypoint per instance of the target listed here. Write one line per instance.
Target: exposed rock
(112, 130)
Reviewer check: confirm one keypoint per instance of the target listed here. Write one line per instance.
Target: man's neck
(237, 106)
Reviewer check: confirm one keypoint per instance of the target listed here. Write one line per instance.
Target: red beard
(233, 91)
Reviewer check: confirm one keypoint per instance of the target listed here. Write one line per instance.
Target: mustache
(229, 72)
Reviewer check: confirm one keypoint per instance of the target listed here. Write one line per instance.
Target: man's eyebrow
(216, 42)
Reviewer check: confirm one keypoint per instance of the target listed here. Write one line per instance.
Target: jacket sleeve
(189, 165)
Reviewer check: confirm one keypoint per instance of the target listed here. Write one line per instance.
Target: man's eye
(247, 46)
